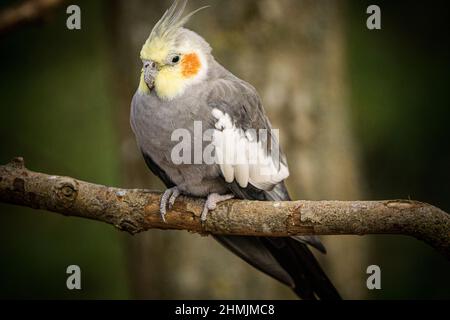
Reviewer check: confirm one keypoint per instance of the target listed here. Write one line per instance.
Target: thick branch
(25, 11)
(138, 210)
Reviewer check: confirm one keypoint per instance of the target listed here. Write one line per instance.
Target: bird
(182, 86)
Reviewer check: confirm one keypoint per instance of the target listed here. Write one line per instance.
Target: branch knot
(66, 191)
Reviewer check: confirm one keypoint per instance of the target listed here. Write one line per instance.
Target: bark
(136, 211)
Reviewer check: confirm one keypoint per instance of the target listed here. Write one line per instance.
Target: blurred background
(363, 115)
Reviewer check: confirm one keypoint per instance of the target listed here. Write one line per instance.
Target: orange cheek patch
(190, 65)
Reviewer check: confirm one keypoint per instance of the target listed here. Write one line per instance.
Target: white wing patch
(242, 158)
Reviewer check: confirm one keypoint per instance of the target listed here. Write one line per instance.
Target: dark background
(58, 110)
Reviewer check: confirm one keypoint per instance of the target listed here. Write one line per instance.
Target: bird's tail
(287, 260)
(310, 281)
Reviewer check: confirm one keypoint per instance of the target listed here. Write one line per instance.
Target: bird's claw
(168, 200)
(211, 203)
(176, 193)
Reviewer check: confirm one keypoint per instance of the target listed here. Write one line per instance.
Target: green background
(57, 111)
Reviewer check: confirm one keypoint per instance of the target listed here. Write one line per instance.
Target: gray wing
(243, 134)
(241, 102)
(286, 259)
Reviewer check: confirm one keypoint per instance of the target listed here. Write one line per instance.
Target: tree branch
(25, 11)
(138, 210)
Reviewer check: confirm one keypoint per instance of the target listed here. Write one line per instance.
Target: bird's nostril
(151, 65)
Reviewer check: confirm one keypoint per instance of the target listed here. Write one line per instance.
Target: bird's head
(173, 58)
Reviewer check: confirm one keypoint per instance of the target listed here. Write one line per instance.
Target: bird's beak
(149, 78)
(150, 85)
(150, 74)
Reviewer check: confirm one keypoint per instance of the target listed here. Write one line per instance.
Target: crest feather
(172, 20)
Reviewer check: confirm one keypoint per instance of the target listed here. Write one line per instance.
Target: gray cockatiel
(182, 87)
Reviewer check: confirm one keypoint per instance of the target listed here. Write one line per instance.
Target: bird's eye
(176, 59)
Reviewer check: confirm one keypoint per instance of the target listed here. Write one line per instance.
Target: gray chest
(154, 123)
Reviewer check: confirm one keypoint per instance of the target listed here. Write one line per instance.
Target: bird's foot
(212, 201)
(168, 200)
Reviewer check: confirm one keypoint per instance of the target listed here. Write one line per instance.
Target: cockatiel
(182, 84)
